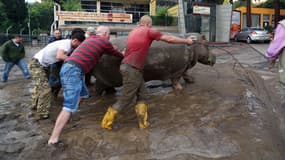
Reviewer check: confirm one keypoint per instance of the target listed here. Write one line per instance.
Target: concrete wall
(223, 22)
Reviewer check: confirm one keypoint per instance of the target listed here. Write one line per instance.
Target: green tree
(3, 18)
(71, 5)
(16, 13)
(270, 4)
(41, 15)
(161, 17)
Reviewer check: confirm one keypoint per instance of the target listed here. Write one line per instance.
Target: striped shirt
(89, 52)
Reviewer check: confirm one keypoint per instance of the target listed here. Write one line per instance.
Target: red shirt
(89, 52)
(138, 43)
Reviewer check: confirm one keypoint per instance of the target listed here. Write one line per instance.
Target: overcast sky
(32, 1)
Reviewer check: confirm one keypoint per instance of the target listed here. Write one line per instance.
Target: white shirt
(47, 55)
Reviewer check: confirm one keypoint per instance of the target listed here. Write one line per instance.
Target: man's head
(145, 21)
(18, 39)
(90, 31)
(57, 33)
(103, 31)
(77, 30)
(76, 39)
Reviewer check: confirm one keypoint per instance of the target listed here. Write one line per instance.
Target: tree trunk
(277, 12)
(248, 13)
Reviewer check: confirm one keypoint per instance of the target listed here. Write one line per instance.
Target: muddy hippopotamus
(165, 61)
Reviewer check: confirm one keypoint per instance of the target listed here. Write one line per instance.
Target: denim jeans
(74, 88)
(9, 65)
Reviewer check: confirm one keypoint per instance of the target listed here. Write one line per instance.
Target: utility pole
(181, 17)
(277, 12)
(29, 21)
(248, 13)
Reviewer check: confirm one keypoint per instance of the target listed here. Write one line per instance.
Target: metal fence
(40, 40)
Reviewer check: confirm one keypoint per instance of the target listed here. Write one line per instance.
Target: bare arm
(60, 55)
(174, 39)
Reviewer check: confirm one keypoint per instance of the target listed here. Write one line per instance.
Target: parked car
(250, 34)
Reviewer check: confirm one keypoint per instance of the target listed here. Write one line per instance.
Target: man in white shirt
(52, 53)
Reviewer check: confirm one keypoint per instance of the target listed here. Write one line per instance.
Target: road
(230, 112)
(260, 47)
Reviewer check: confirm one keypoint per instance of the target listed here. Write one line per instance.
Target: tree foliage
(71, 5)
(3, 18)
(41, 15)
(15, 12)
(266, 4)
(270, 4)
(161, 17)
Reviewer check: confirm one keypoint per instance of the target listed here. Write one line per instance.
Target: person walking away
(39, 66)
(13, 53)
(82, 60)
(138, 44)
(275, 50)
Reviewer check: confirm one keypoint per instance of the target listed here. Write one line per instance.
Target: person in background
(81, 61)
(90, 31)
(275, 50)
(39, 66)
(13, 53)
(56, 36)
(138, 44)
(54, 69)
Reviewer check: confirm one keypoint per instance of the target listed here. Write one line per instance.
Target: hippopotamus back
(165, 61)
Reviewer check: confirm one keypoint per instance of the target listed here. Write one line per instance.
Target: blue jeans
(9, 65)
(74, 88)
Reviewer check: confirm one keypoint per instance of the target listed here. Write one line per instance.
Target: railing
(40, 40)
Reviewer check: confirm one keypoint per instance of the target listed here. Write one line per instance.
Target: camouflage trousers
(41, 96)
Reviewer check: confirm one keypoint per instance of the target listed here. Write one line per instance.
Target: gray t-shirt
(47, 55)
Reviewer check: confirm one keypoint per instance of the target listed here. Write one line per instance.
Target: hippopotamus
(165, 61)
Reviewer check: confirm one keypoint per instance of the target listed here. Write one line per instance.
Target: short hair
(79, 36)
(102, 29)
(145, 20)
(77, 30)
(91, 29)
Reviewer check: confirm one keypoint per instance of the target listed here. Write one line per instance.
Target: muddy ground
(233, 111)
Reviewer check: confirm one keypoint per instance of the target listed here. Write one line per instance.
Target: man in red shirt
(138, 44)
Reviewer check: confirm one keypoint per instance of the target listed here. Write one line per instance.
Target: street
(232, 111)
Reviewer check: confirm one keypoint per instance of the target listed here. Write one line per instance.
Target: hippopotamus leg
(176, 84)
(100, 87)
(187, 76)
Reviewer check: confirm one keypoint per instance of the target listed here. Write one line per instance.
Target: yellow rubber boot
(109, 118)
(141, 110)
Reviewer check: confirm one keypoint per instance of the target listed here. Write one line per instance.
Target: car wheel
(267, 41)
(248, 40)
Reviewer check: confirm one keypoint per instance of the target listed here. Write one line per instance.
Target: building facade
(260, 17)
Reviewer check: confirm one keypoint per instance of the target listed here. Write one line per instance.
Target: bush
(161, 17)
(268, 28)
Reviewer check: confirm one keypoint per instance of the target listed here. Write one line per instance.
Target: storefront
(260, 17)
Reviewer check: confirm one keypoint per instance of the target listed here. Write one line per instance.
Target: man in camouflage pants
(41, 96)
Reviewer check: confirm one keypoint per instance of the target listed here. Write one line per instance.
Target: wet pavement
(233, 111)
